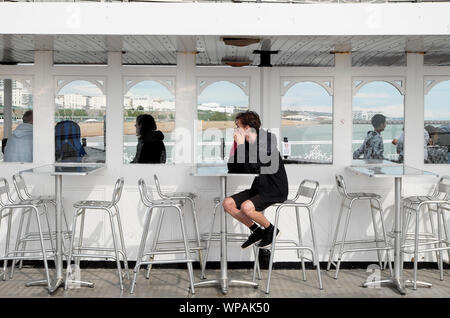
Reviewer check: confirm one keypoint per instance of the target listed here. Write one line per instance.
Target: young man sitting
(255, 151)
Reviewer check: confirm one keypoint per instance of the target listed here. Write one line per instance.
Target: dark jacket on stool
(263, 158)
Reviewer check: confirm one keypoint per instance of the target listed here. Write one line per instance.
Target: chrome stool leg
(141, 248)
(344, 235)
(315, 254)
(49, 227)
(446, 234)
(440, 261)
(17, 245)
(430, 216)
(8, 235)
(374, 223)
(386, 243)
(116, 249)
(336, 232)
(256, 267)
(256, 251)
(197, 236)
(300, 252)
(416, 248)
(122, 243)
(44, 254)
(155, 241)
(80, 238)
(272, 249)
(69, 256)
(208, 241)
(24, 243)
(69, 279)
(187, 250)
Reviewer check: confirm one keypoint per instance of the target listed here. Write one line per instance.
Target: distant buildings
(364, 115)
(78, 101)
(215, 107)
(20, 95)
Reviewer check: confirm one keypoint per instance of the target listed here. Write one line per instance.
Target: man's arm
(358, 152)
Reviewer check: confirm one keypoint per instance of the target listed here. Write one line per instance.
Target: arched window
(153, 98)
(218, 103)
(15, 101)
(384, 100)
(307, 121)
(80, 103)
(437, 120)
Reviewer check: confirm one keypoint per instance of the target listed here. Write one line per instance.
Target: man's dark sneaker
(267, 237)
(255, 237)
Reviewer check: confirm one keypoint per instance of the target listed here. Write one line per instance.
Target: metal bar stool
(24, 195)
(147, 200)
(27, 206)
(412, 206)
(425, 236)
(182, 197)
(113, 211)
(350, 198)
(307, 189)
(231, 237)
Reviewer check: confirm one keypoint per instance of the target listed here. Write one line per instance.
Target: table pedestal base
(58, 283)
(223, 283)
(395, 283)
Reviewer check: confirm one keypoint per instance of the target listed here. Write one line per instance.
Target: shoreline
(96, 129)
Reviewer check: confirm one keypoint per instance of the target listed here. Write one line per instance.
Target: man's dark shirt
(262, 158)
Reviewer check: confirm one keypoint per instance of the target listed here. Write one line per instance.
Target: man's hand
(239, 136)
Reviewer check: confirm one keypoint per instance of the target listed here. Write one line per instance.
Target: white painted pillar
(186, 108)
(270, 109)
(43, 109)
(414, 113)
(114, 113)
(7, 108)
(264, 92)
(342, 118)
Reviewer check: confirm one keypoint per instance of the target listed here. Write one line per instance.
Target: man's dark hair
(146, 123)
(250, 118)
(27, 116)
(377, 120)
(431, 130)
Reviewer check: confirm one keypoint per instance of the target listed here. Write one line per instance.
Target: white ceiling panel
(161, 49)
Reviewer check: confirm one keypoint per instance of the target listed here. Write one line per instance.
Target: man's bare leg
(230, 207)
(249, 210)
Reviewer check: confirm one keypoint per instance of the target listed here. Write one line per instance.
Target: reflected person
(150, 147)
(437, 150)
(372, 147)
(19, 147)
(400, 141)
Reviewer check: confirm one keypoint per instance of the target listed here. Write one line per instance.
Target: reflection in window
(16, 121)
(149, 123)
(306, 124)
(378, 122)
(80, 123)
(217, 107)
(437, 123)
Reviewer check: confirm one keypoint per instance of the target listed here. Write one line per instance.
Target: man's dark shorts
(245, 195)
